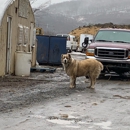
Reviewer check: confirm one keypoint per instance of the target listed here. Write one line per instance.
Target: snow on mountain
(67, 15)
(37, 3)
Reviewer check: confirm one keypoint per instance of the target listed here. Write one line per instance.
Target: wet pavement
(44, 101)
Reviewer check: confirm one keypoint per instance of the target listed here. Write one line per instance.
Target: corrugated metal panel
(57, 47)
(50, 48)
(42, 49)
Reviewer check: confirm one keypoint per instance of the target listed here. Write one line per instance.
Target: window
(113, 36)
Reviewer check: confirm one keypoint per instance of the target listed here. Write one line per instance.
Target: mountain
(66, 16)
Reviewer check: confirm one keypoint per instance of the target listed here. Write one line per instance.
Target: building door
(8, 49)
(32, 36)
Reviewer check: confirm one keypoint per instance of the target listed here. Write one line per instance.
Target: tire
(102, 75)
(84, 45)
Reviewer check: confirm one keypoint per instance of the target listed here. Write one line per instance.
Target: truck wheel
(125, 74)
(84, 45)
(102, 75)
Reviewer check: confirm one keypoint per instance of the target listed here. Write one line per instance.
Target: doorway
(8, 48)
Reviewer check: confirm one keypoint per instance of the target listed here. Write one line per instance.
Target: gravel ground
(45, 101)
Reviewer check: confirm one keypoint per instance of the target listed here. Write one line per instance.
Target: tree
(41, 6)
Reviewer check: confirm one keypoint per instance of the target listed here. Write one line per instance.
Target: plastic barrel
(22, 63)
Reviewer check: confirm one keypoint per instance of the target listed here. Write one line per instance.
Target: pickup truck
(111, 46)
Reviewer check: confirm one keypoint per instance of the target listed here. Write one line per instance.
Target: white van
(82, 37)
(71, 44)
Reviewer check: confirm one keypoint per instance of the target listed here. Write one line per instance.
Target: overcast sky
(37, 3)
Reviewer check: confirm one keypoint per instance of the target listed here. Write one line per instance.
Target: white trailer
(82, 37)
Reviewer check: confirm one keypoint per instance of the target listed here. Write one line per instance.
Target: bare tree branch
(41, 6)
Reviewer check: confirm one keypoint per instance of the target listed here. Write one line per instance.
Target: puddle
(76, 127)
(66, 123)
(79, 95)
(81, 122)
(60, 122)
(70, 117)
(38, 116)
(104, 125)
(90, 127)
(64, 119)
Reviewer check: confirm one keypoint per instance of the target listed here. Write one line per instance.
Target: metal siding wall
(50, 48)
(10, 11)
(57, 47)
(42, 49)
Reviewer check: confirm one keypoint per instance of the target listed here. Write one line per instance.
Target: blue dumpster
(43, 43)
(57, 47)
(50, 48)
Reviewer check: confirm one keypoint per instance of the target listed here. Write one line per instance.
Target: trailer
(82, 37)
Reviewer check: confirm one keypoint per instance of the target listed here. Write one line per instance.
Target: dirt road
(44, 101)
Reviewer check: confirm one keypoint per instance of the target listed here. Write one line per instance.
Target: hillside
(66, 16)
(92, 29)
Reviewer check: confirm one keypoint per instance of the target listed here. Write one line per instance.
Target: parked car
(111, 46)
(71, 44)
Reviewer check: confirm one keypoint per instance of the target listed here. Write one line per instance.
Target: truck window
(113, 36)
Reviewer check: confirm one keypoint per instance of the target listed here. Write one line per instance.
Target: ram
(111, 46)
